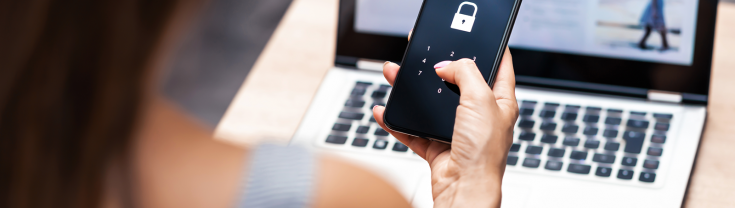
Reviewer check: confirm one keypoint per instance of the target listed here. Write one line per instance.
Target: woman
(653, 18)
(83, 124)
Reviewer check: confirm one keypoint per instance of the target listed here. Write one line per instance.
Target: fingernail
(386, 63)
(375, 107)
(442, 64)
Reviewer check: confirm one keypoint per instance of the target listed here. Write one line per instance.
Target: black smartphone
(421, 103)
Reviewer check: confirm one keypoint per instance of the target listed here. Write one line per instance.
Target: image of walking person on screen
(653, 19)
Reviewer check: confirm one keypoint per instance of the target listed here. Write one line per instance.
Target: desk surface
(279, 89)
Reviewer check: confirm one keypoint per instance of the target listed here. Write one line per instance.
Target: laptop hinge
(664, 96)
(369, 64)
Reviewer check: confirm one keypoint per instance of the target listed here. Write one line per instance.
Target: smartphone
(421, 103)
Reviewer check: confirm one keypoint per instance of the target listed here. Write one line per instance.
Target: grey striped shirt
(279, 176)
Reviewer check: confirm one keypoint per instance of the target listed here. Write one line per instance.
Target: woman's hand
(470, 171)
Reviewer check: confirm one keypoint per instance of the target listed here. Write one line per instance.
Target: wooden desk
(279, 89)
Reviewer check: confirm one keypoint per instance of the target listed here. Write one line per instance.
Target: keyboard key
(527, 136)
(634, 141)
(625, 174)
(590, 108)
(647, 177)
(655, 151)
(548, 138)
(531, 163)
(378, 94)
(556, 152)
(526, 111)
(591, 118)
(351, 115)
(613, 121)
(336, 139)
(603, 158)
(380, 144)
(515, 147)
(650, 164)
(612, 146)
(570, 128)
(358, 91)
(661, 126)
(362, 129)
(634, 123)
(638, 113)
(590, 131)
(355, 103)
(610, 133)
(603, 171)
(534, 150)
(614, 111)
(548, 126)
(372, 119)
(579, 168)
(629, 161)
(526, 123)
(512, 160)
(568, 116)
(360, 142)
(384, 88)
(399, 147)
(571, 141)
(660, 139)
(553, 165)
(381, 132)
(547, 114)
(529, 102)
(551, 105)
(578, 155)
(663, 116)
(341, 127)
(592, 144)
(572, 107)
(363, 83)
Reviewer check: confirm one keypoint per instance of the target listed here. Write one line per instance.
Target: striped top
(279, 177)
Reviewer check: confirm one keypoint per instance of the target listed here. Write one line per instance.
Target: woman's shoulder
(342, 184)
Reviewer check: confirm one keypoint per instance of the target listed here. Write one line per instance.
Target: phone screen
(423, 104)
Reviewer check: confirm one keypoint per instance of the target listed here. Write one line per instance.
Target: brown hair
(72, 74)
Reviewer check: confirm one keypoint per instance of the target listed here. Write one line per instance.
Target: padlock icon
(464, 22)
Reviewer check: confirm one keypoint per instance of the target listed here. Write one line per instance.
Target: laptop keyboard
(626, 145)
(582, 140)
(355, 125)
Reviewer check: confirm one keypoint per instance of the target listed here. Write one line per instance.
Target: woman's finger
(505, 81)
(467, 77)
(390, 71)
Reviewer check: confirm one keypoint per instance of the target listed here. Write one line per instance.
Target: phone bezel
(491, 78)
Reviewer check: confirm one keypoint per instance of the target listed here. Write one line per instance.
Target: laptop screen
(613, 46)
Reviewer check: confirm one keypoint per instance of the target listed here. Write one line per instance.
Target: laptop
(612, 96)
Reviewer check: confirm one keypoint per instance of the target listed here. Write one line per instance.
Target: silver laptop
(612, 100)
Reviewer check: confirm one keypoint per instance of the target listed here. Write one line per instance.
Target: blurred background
(218, 53)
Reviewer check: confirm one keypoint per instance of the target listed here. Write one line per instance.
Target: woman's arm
(341, 184)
